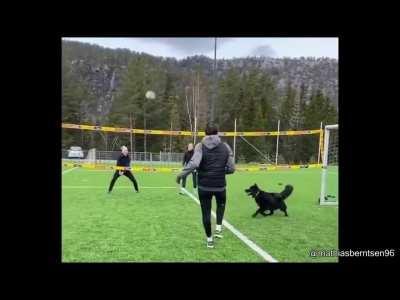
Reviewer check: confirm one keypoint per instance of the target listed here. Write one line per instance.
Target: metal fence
(148, 157)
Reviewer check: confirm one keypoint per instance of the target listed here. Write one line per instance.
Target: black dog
(269, 201)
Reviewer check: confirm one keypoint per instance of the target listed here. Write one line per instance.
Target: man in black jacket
(186, 158)
(123, 161)
(213, 160)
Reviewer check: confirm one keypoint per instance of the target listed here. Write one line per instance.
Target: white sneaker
(218, 234)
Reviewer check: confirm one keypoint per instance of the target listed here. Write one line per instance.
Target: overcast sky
(226, 47)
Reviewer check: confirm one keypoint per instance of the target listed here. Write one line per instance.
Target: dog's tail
(287, 191)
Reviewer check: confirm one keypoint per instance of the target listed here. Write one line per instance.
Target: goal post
(91, 156)
(330, 166)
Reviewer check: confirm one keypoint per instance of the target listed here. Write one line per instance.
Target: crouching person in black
(123, 161)
(213, 160)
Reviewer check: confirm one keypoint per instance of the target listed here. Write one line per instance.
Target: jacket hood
(211, 141)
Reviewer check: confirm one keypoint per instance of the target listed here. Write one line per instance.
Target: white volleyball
(150, 95)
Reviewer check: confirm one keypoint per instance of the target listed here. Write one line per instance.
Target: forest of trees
(107, 87)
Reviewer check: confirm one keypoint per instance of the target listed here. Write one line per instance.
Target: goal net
(330, 166)
(289, 148)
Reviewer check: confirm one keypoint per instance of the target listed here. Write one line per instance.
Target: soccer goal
(330, 167)
(91, 156)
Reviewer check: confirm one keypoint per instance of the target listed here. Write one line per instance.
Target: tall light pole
(150, 95)
(144, 125)
(188, 110)
(212, 106)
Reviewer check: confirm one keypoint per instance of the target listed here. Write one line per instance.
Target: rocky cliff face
(102, 81)
(313, 73)
(102, 69)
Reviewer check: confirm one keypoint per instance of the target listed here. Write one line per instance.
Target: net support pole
(194, 108)
(195, 130)
(198, 90)
(277, 144)
(321, 138)
(194, 111)
(145, 137)
(170, 143)
(234, 144)
(130, 123)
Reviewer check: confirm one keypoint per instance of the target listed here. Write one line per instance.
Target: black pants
(205, 202)
(127, 174)
(194, 174)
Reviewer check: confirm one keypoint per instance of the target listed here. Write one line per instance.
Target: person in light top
(186, 158)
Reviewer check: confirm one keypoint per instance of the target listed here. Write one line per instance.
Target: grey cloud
(264, 50)
(188, 46)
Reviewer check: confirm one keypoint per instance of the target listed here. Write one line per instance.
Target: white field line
(261, 252)
(69, 170)
(258, 172)
(117, 187)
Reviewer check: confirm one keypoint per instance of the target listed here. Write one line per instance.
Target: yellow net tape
(175, 170)
(188, 133)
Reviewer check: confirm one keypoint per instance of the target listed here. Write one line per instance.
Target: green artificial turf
(159, 225)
